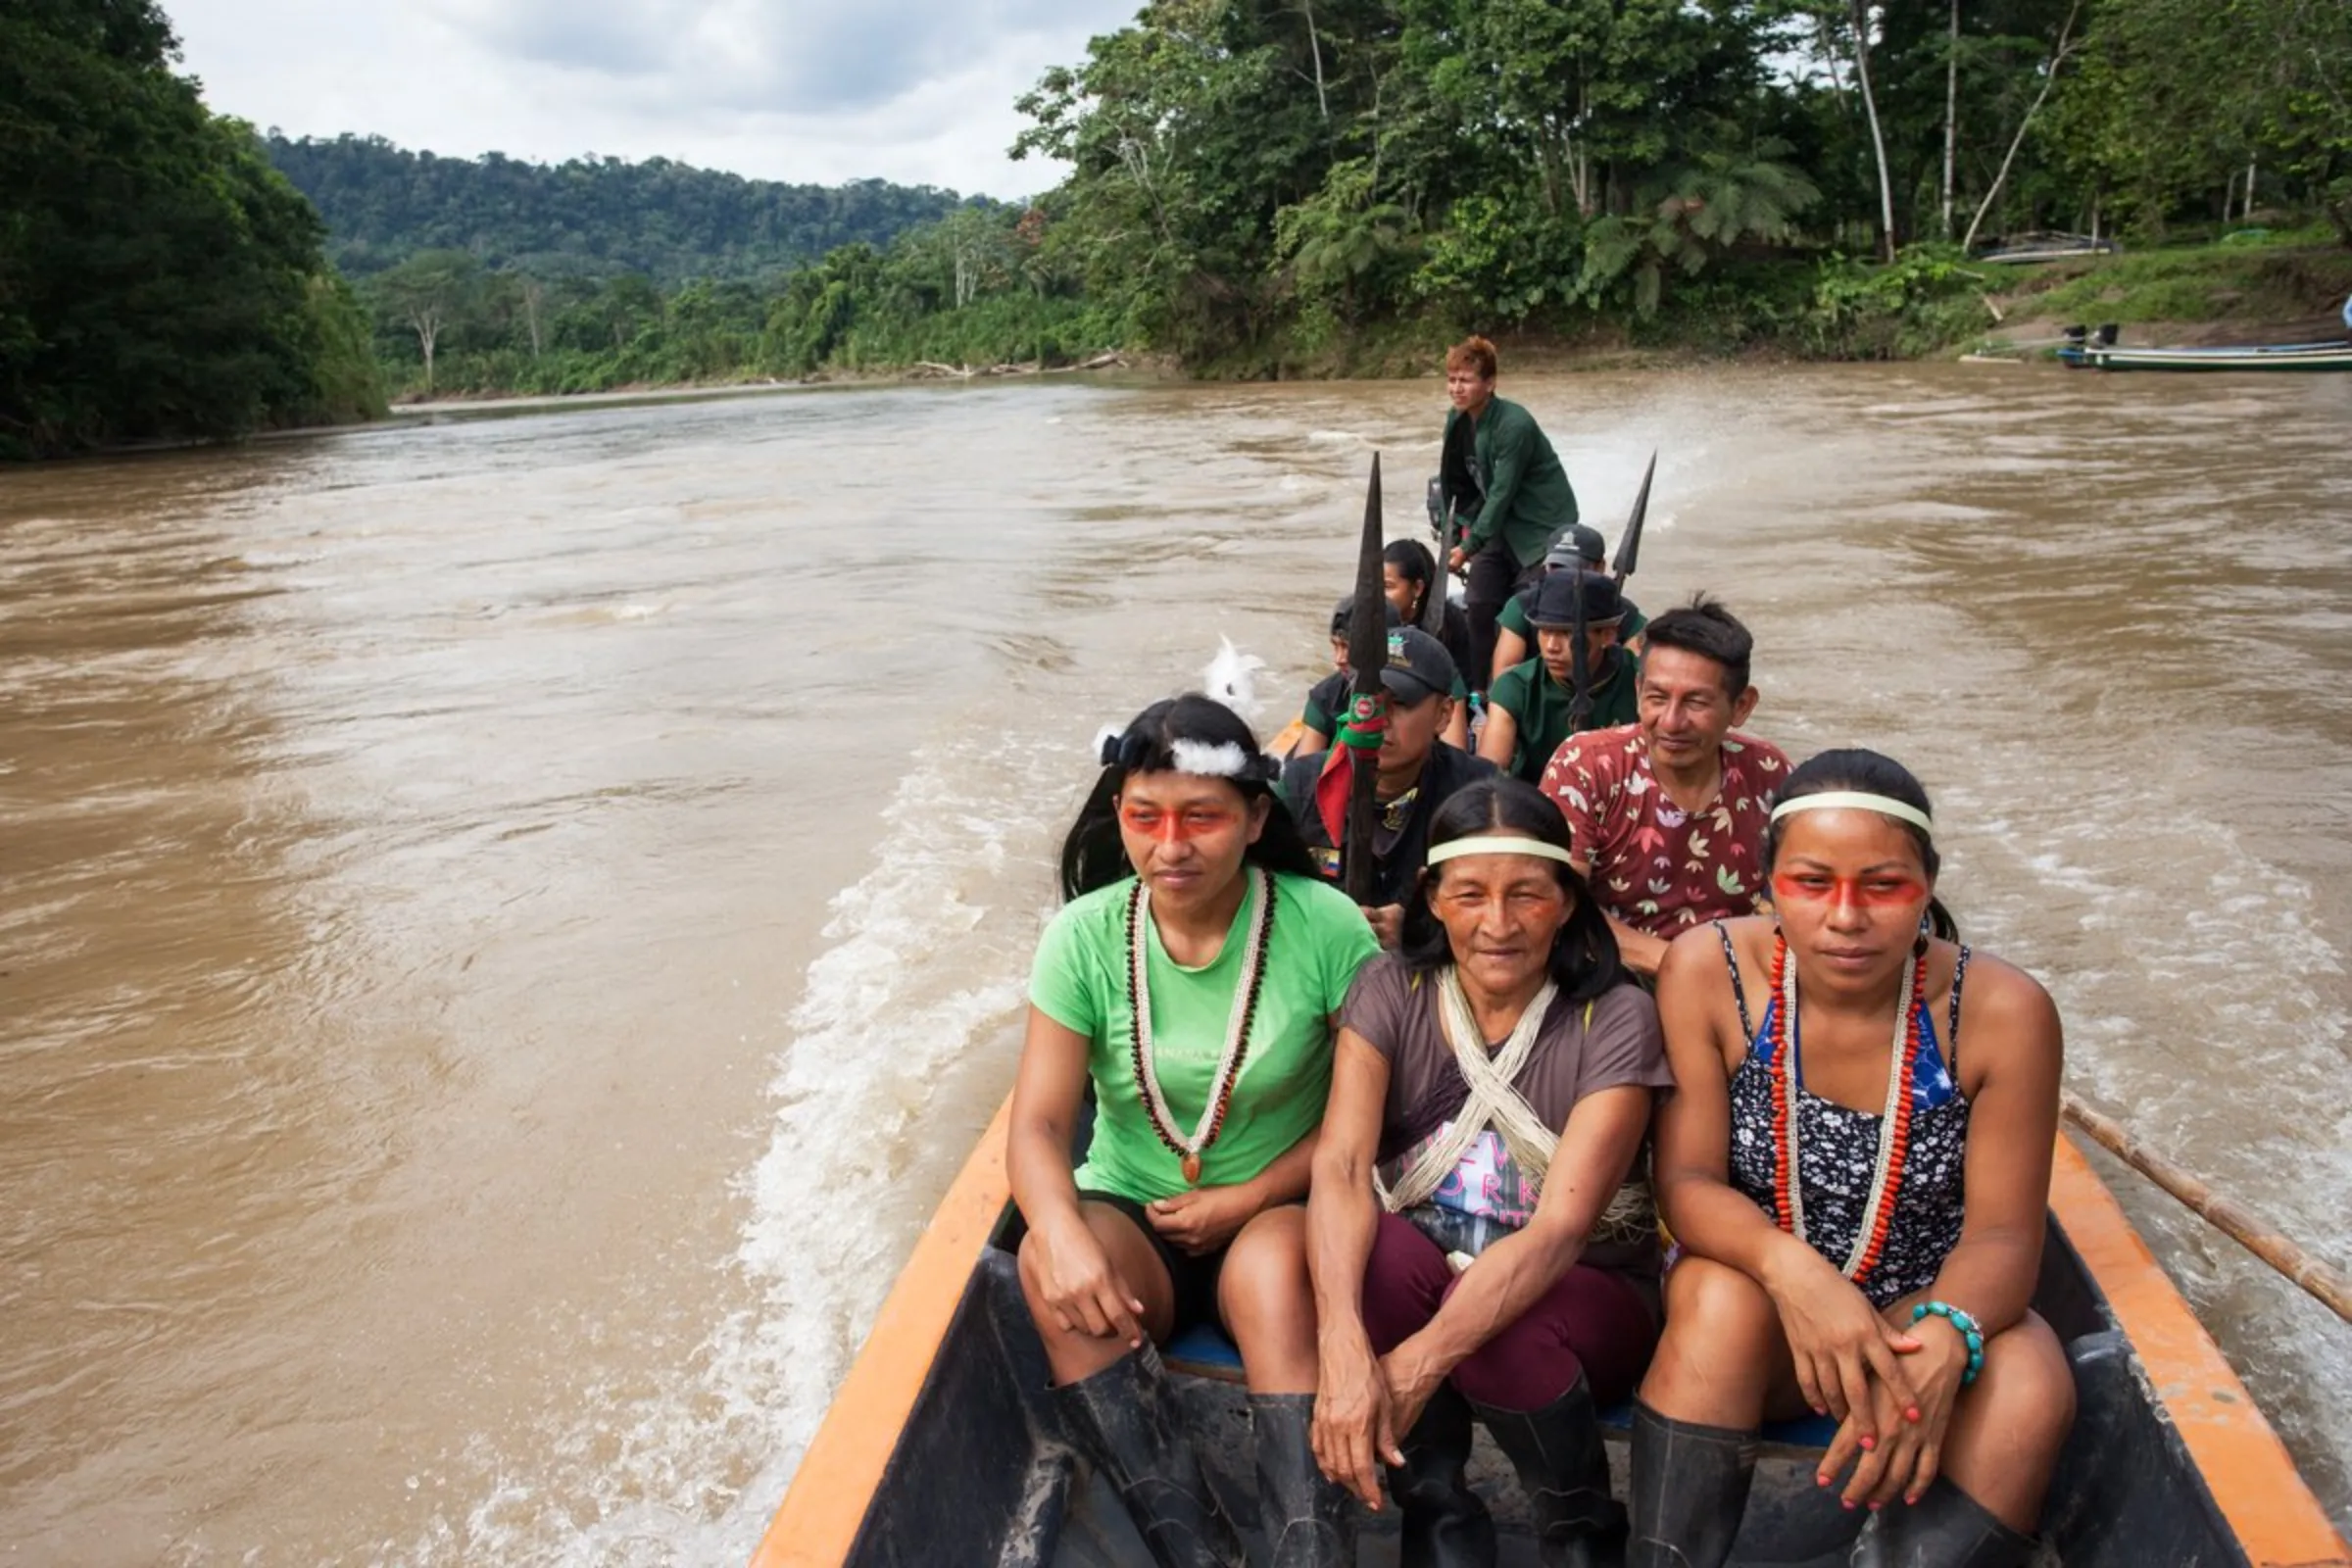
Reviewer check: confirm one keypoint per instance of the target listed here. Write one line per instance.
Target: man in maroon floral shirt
(1669, 813)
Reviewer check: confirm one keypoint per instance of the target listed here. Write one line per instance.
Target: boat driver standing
(1505, 488)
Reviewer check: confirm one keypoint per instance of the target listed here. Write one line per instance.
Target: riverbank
(1927, 305)
(2254, 290)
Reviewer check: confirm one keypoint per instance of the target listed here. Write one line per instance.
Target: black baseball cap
(1342, 615)
(1418, 666)
(1554, 605)
(1574, 544)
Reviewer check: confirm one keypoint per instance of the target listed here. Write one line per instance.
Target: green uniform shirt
(1528, 498)
(1320, 940)
(1540, 705)
(1513, 618)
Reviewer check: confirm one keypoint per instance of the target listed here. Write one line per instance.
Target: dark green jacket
(1518, 490)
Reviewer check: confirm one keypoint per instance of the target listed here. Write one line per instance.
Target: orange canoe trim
(2260, 1492)
(2253, 1479)
(842, 1470)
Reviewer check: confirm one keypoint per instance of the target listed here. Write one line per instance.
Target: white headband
(1856, 799)
(1225, 759)
(1458, 847)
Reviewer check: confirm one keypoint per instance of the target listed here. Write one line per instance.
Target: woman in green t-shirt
(1190, 979)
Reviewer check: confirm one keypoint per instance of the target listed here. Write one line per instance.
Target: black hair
(1705, 629)
(1416, 565)
(1092, 853)
(1869, 773)
(1583, 955)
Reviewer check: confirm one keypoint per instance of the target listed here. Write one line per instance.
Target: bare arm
(1835, 1338)
(2014, 1039)
(1509, 648)
(1499, 742)
(2014, 1057)
(1597, 1148)
(1355, 1429)
(1080, 1284)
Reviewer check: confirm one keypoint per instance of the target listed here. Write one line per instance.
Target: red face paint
(1878, 890)
(1174, 827)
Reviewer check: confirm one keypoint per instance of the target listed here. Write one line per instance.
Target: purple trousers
(1591, 1321)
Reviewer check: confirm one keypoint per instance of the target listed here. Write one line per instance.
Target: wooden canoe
(940, 1448)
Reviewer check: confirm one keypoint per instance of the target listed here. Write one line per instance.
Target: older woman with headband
(1482, 1239)
(1192, 979)
(1856, 1163)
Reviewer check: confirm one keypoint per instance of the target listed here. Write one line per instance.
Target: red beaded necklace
(1894, 1125)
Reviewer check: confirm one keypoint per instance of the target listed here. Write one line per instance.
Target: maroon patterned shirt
(1654, 867)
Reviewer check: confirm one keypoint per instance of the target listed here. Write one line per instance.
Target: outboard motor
(2076, 334)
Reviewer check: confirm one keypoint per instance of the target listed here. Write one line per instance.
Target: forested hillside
(1302, 186)
(158, 278)
(588, 216)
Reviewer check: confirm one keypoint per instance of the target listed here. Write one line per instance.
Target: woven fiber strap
(1494, 1101)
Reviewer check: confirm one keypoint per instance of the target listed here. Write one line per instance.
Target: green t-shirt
(1318, 941)
(1540, 705)
(1513, 618)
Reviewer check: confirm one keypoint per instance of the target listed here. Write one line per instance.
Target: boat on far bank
(2087, 349)
(2043, 246)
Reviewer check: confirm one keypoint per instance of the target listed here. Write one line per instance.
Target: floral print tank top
(1839, 1152)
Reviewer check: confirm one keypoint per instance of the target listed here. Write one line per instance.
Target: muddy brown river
(511, 924)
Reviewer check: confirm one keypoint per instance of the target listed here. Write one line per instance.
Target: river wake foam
(890, 1061)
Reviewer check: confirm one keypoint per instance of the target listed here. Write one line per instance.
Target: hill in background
(588, 216)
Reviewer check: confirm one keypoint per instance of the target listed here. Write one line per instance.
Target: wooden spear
(2240, 1225)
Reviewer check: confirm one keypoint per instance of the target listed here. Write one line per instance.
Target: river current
(511, 924)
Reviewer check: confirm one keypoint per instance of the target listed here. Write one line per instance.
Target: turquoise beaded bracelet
(1969, 1332)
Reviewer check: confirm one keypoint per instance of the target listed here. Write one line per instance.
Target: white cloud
(919, 91)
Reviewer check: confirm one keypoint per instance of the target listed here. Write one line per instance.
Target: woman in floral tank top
(1856, 1163)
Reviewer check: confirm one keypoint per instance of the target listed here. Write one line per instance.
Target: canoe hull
(943, 1447)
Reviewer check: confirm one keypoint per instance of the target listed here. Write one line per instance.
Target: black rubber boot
(1558, 1453)
(1945, 1529)
(1125, 1418)
(1308, 1521)
(1441, 1523)
(1689, 1490)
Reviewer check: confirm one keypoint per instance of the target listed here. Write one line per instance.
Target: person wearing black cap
(1319, 716)
(1575, 547)
(1418, 771)
(1531, 706)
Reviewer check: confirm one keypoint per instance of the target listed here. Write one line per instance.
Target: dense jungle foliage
(158, 278)
(1252, 188)
(586, 218)
(1286, 187)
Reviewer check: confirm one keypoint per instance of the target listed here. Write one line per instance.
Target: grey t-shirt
(1581, 1049)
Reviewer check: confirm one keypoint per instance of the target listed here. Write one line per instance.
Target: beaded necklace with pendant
(1189, 1150)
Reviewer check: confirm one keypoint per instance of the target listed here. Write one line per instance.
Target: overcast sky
(919, 91)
